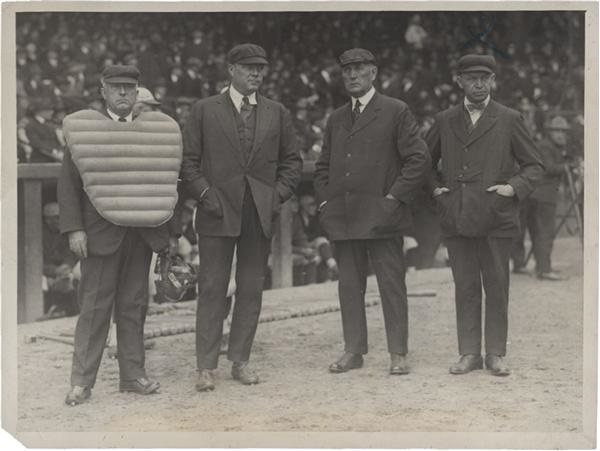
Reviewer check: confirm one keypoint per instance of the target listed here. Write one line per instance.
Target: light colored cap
(145, 96)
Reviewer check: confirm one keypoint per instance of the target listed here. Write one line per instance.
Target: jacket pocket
(211, 204)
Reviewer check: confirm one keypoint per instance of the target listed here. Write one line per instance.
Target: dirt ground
(543, 394)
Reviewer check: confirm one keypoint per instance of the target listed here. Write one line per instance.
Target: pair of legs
(119, 279)
(476, 262)
(387, 260)
(216, 255)
(538, 218)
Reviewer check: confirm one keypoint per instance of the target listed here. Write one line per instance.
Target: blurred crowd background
(182, 58)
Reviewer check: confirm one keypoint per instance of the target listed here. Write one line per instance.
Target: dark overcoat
(499, 150)
(380, 154)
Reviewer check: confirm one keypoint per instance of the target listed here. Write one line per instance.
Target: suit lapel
(485, 122)
(263, 122)
(225, 117)
(368, 115)
(346, 117)
(457, 124)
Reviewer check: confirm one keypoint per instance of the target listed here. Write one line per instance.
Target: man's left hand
(502, 190)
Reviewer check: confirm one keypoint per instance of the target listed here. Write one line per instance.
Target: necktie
(356, 111)
(473, 107)
(122, 119)
(246, 109)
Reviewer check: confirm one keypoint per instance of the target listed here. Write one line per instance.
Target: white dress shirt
(476, 114)
(236, 98)
(116, 117)
(364, 100)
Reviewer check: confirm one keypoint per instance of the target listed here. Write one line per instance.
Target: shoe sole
(145, 392)
(459, 372)
(205, 388)
(399, 372)
(338, 369)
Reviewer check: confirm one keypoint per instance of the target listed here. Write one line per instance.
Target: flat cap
(476, 63)
(356, 56)
(145, 96)
(121, 74)
(247, 54)
(558, 123)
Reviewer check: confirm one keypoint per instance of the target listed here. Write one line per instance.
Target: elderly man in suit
(240, 163)
(371, 164)
(488, 163)
(115, 207)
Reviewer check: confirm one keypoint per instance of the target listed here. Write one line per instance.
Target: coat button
(466, 166)
(347, 174)
(348, 155)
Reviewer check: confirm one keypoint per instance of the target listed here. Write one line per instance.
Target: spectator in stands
(41, 134)
(305, 256)
(60, 272)
(537, 212)
(145, 101)
(328, 268)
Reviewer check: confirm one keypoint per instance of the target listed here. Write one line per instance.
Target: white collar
(116, 117)
(364, 100)
(485, 102)
(236, 98)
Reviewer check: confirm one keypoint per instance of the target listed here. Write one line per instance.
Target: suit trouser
(538, 218)
(474, 260)
(119, 279)
(387, 260)
(216, 255)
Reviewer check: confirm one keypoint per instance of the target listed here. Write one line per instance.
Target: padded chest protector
(129, 169)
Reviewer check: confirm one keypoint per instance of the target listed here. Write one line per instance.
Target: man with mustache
(240, 163)
(372, 162)
(117, 193)
(488, 164)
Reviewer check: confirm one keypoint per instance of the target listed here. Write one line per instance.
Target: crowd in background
(181, 57)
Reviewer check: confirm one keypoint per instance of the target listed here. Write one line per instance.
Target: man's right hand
(440, 190)
(78, 243)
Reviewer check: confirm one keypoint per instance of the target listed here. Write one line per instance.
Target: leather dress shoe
(349, 361)
(141, 386)
(550, 276)
(240, 371)
(77, 395)
(205, 381)
(466, 364)
(399, 365)
(496, 365)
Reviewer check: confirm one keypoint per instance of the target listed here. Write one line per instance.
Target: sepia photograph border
(64, 439)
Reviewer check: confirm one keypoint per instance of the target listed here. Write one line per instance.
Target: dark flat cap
(121, 74)
(247, 54)
(476, 63)
(356, 56)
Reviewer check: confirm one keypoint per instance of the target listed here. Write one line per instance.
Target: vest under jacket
(129, 169)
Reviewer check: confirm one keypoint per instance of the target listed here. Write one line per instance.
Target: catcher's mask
(175, 277)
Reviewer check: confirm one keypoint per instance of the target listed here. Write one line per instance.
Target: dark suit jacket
(361, 163)
(547, 188)
(498, 151)
(212, 157)
(104, 237)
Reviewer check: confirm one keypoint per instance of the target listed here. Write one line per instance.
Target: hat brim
(126, 80)
(477, 69)
(150, 102)
(252, 60)
(356, 60)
